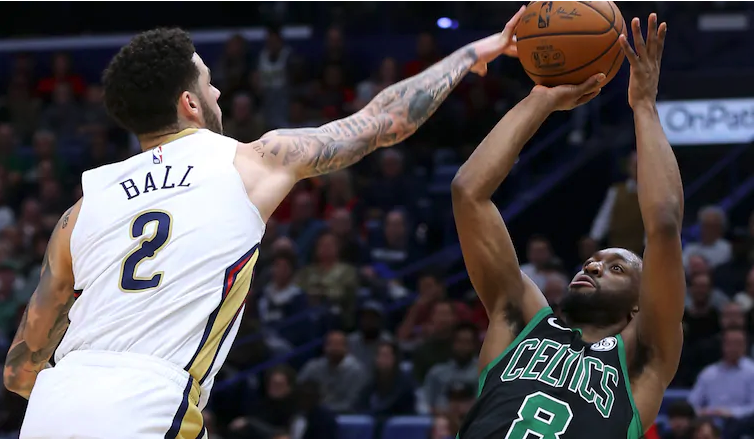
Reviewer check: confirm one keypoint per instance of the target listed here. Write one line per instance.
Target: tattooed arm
(46, 317)
(286, 156)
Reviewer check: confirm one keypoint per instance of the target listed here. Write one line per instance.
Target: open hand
(503, 43)
(568, 97)
(645, 60)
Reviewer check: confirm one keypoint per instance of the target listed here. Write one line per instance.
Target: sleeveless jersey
(549, 383)
(163, 253)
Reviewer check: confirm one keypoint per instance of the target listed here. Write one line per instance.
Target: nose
(593, 268)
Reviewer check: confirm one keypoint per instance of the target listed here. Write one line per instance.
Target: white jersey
(163, 253)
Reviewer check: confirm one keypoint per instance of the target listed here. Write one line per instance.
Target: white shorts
(95, 394)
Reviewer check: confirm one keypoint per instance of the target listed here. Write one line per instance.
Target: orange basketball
(567, 42)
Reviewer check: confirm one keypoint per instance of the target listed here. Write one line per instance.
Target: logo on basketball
(544, 15)
(548, 59)
(606, 344)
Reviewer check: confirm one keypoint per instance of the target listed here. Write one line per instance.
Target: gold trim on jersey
(188, 421)
(180, 134)
(236, 286)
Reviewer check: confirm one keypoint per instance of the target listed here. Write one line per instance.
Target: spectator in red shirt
(426, 55)
(61, 73)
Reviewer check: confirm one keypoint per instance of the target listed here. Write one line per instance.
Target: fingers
(588, 97)
(591, 85)
(630, 54)
(661, 40)
(652, 35)
(639, 45)
(510, 27)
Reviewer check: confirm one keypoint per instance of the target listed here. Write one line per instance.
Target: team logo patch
(606, 344)
(157, 156)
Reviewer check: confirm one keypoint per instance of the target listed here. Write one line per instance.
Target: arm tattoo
(24, 363)
(392, 116)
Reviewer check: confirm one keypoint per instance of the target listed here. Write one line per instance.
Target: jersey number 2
(541, 416)
(148, 248)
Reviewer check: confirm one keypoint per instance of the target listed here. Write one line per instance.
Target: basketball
(567, 42)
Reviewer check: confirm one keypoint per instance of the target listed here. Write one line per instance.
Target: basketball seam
(583, 65)
(611, 24)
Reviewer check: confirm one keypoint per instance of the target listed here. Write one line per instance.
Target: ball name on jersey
(168, 179)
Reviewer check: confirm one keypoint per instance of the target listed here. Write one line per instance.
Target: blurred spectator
(438, 340)
(272, 413)
(330, 279)
(726, 388)
(711, 245)
(282, 299)
(20, 108)
(93, 114)
(426, 55)
(708, 350)
(332, 97)
(7, 215)
(303, 228)
(461, 397)
(386, 76)
(461, 368)
(699, 276)
(245, 124)
(431, 291)
(230, 71)
(62, 73)
(10, 160)
(272, 66)
(556, 285)
(619, 218)
(680, 424)
(352, 247)
(313, 420)
(371, 333)
(440, 428)
(100, 151)
(701, 318)
(390, 390)
(731, 276)
(396, 248)
(44, 144)
(746, 298)
(340, 194)
(540, 260)
(392, 189)
(210, 424)
(339, 374)
(586, 247)
(336, 54)
(300, 116)
(9, 303)
(706, 428)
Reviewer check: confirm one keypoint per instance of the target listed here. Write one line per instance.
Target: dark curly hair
(145, 79)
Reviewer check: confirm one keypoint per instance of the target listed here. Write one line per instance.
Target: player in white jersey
(152, 266)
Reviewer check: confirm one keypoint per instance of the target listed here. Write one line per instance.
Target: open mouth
(583, 281)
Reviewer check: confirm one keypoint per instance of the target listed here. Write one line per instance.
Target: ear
(634, 312)
(188, 105)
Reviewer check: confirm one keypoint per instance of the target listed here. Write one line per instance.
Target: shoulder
(709, 372)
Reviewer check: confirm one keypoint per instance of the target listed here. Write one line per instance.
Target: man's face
(210, 114)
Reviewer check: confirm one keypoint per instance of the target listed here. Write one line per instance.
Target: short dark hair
(466, 326)
(681, 408)
(288, 256)
(147, 76)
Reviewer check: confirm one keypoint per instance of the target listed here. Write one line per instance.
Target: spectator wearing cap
(340, 375)
(282, 298)
(725, 389)
(461, 368)
(364, 342)
(680, 424)
(390, 390)
(711, 245)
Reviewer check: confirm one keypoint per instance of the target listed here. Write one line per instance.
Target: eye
(616, 268)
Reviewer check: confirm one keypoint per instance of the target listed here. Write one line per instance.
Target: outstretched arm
(663, 287)
(46, 317)
(392, 116)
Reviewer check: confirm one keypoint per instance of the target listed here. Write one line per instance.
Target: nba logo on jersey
(157, 155)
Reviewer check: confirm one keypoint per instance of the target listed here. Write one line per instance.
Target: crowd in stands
(392, 345)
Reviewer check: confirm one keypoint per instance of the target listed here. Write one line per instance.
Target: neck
(591, 333)
(154, 140)
(731, 362)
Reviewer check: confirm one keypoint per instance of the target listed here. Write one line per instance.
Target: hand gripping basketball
(503, 43)
(568, 97)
